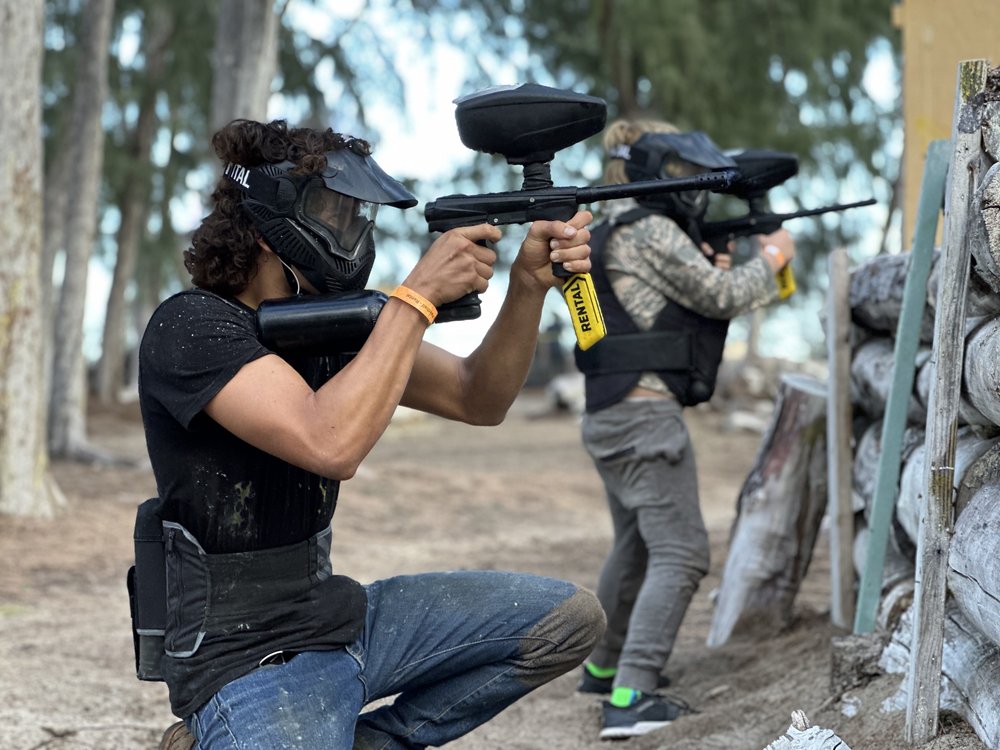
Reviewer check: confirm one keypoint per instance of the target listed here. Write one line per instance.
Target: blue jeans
(454, 648)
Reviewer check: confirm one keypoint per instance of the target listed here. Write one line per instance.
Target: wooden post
(838, 441)
(894, 424)
(924, 674)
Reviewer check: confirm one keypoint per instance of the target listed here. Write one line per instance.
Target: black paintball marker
(759, 171)
(527, 124)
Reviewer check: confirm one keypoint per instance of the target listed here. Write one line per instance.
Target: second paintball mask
(322, 223)
(663, 155)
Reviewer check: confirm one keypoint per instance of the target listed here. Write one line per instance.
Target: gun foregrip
(786, 281)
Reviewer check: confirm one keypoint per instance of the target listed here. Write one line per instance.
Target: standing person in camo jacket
(667, 299)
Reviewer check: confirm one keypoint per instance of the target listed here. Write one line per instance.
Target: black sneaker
(602, 685)
(647, 714)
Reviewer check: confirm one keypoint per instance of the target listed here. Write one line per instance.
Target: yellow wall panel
(936, 36)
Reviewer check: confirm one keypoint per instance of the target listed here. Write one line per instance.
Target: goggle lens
(343, 218)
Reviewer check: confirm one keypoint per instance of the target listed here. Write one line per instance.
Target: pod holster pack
(147, 591)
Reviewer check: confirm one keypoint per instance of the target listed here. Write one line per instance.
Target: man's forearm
(496, 370)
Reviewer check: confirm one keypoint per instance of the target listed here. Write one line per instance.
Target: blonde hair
(625, 133)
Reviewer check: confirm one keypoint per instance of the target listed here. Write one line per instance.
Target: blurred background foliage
(786, 74)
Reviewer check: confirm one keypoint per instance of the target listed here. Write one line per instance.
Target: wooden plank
(924, 674)
(905, 352)
(838, 441)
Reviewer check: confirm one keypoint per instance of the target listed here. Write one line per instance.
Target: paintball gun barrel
(760, 170)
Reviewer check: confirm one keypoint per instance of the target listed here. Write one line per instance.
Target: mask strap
(290, 276)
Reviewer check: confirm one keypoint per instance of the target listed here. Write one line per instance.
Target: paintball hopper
(527, 123)
(760, 170)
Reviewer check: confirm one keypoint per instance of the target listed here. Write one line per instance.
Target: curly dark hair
(224, 250)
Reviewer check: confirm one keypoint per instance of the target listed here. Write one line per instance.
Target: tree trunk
(967, 413)
(980, 302)
(969, 447)
(67, 419)
(982, 382)
(839, 418)
(25, 484)
(56, 192)
(866, 459)
(244, 61)
(896, 590)
(984, 233)
(974, 563)
(134, 208)
(876, 296)
(864, 469)
(56, 201)
(780, 509)
(755, 321)
(871, 378)
(970, 672)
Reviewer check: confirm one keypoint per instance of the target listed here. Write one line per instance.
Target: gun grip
(464, 308)
(468, 307)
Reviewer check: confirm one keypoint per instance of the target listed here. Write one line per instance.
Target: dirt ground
(433, 495)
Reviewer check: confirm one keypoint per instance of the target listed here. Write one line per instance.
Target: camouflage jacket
(652, 260)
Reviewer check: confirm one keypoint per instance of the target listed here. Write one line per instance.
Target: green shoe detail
(623, 697)
(601, 673)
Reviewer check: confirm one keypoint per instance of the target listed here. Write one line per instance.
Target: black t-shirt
(230, 495)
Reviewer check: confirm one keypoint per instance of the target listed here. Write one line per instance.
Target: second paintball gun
(760, 170)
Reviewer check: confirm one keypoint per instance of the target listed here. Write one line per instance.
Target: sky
(432, 83)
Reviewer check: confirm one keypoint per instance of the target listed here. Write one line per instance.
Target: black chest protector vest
(683, 348)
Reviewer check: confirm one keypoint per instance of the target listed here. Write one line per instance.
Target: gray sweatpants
(644, 456)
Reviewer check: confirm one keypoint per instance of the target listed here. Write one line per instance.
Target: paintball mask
(322, 223)
(662, 155)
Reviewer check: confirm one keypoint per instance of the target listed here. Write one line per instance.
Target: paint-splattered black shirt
(230, 495)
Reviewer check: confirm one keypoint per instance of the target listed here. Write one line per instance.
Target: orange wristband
(775, 252)
(413, 299)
